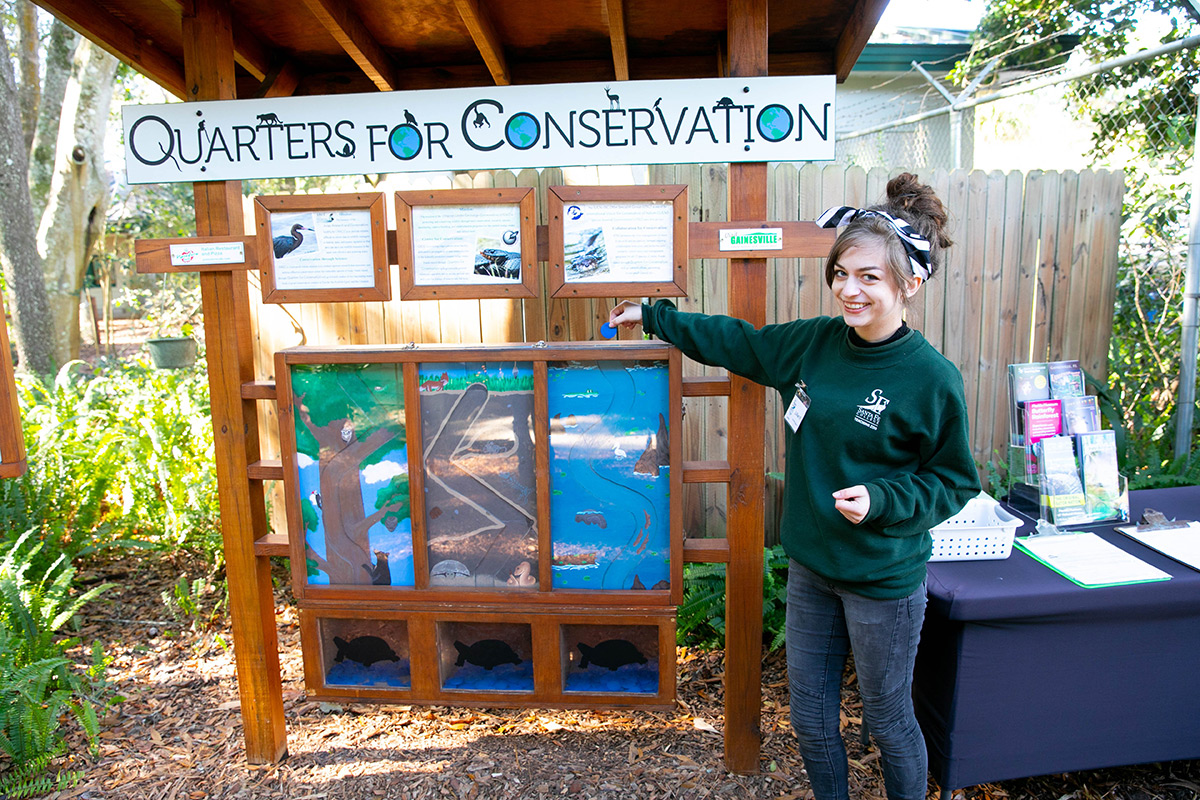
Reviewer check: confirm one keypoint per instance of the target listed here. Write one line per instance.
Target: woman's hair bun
(917, 203)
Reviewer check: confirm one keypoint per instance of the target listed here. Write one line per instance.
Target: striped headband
(916, 246)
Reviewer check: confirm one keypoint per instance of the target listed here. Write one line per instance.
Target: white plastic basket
(982, 530)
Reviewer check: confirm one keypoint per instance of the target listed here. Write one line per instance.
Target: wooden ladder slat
(268, 469)
(706, 386)
(706, 472)
(706, 550)
(273, 544)
(258, 390)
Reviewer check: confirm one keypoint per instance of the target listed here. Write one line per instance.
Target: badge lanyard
(798, 408)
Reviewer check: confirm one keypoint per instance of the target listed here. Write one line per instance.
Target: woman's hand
(626, 314)
(853, 503)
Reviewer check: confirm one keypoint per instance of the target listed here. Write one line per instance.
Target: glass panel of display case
(610, 490)
(480, 474)
(365, 653)
(353, 473)
(486, 657)
(610, 658)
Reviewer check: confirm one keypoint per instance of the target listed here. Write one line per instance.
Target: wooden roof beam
(251, 54)
(348, 29)
(281, 81)
(248, 51)
(613, 12)
(863, 19)
(483, 31)
(110, 33)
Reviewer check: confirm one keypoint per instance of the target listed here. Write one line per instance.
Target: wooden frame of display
(522, 197)
(12, 439)
(549, 656)
(378, 287)
(544, 595)
(561, 198)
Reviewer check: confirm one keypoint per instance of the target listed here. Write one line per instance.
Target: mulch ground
(178, 735)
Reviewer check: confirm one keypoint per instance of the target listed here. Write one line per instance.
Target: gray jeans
(823, 624)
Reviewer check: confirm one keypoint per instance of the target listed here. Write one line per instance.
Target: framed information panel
(506, 474)
(322, 248)
(467, 243)
(608, 241)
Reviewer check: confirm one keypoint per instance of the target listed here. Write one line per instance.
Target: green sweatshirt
(891, 417)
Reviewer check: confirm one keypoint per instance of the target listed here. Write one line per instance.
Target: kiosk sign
(631, 122)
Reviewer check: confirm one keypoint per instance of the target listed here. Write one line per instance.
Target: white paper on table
(1089, 560)
(1181, 544)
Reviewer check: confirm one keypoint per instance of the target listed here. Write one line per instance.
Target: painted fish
(366, 650)
(486, 653)
(611, 653)
(592, 518)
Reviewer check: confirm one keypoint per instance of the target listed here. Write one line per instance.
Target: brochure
(1042, 418)
(1101, 481)
(1061, 492)
(1080, 414)
(1066, 379)
(1025, 382)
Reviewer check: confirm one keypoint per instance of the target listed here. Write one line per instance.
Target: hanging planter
(172, 352)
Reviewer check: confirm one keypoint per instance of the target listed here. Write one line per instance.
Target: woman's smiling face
(871, 302)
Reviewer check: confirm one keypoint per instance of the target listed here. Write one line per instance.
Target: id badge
(799, 407)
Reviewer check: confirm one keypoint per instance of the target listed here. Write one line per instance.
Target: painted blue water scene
(364, 653)
(386, 674)
(609, 475)
(620, 659)
(486, 657)
(480, 474)
(353, 473)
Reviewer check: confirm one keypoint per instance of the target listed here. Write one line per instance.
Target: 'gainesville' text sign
(630, 122)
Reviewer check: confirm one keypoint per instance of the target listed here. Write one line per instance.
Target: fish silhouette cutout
(486, 653)
(366, 650)
(611, 653)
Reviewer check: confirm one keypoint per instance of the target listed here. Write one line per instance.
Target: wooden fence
(1032, 276)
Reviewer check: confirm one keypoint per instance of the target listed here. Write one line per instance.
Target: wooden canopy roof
(337, 46)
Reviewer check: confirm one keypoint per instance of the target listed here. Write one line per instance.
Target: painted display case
(508, 482)
(571, 657)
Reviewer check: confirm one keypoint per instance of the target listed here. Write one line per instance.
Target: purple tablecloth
(1022, 672)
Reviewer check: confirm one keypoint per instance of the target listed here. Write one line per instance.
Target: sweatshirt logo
(869, 413)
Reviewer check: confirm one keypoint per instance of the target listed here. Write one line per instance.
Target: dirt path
(178, 735)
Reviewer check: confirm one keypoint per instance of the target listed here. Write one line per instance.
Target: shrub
(123, 456)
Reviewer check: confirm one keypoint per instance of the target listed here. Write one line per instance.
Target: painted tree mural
(350, 423)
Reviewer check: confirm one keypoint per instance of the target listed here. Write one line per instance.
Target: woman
(877, 453)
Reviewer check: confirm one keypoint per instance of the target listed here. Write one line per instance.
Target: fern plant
(38, 687)
(700, 621)
(122, 457)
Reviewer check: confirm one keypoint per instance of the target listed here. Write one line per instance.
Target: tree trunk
(31, 85)
(18, 244)
(78, 199)
(60, 52)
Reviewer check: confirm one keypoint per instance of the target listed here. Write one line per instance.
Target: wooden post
(209, 75)
(747, 417)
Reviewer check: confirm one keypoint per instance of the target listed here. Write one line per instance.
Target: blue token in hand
(608, 330)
